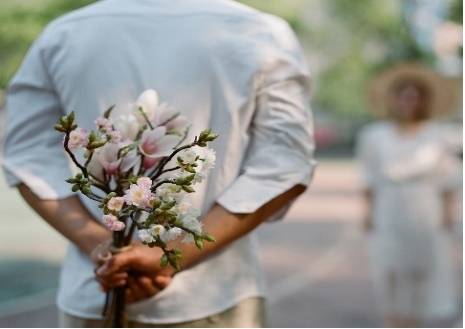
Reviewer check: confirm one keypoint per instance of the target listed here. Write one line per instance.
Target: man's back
(186, 50)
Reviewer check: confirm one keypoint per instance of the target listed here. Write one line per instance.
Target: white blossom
(169, 192)
(191, 223)
(188, 156)
(157, 230)
(171, 234)
(145, 236)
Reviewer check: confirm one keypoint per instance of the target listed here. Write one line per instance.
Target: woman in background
(410, 175)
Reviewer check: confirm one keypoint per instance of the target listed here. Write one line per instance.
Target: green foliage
(351, 40)
(20, 23)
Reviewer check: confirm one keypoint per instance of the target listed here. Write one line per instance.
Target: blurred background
(318, 267)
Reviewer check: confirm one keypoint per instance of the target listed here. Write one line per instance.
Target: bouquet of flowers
(138, 168)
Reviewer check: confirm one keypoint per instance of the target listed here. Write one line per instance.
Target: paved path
(316, 260)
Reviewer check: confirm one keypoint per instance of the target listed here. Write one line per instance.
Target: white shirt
(224, 66)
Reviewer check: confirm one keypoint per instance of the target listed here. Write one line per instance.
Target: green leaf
(164, 261)
(208, 238)
(198, 242)
(188, 189)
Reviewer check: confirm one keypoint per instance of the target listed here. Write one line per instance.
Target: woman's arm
(450, 209)
(368, 210)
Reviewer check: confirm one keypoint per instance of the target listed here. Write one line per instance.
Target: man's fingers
(118, 263)
(113, 281)
(145, 284)
(135, 290)
(140, 288)
(162, 281)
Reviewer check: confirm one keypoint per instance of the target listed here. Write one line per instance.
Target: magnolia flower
(115, 203)
(177, 125)
(126, 123)
(150, 162)
(95, 168)
(147, 103)
(130, 161)
(112, 222)
(139, 195)
(156, 144)
(107, 156)
(167, 116)
(78, 138)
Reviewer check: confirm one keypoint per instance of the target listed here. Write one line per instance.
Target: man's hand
(138, 269)
(141, 287)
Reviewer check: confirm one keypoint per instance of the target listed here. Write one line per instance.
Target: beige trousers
(247, 313)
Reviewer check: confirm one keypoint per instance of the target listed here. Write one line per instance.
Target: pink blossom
(103, 124)
(115, 136)
(115, 203)
(138, 196)
(156, 144)
(78, 138)
(112, 222)
(144, 182)
(107, 156)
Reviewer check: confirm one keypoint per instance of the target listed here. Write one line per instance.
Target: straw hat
(442, 94)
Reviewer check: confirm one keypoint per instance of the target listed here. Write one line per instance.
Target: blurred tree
(377, 37)
(20, 23)
(347, 41)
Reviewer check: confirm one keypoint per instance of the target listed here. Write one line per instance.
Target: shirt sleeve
(280, 151)
(32, 152)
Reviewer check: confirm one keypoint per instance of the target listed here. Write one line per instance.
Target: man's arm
(225, 226)
(69, 217)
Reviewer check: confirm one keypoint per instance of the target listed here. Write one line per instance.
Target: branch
(165, 181)
(170, 169)
(145, 117)
(73, 158)
(163, 162)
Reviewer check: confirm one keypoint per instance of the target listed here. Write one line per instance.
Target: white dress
(410, 249)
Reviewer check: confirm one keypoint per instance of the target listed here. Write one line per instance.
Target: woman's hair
(424, 109)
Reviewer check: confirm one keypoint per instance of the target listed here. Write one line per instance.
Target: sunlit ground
(316, 260)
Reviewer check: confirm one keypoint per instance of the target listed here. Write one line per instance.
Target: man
(224, 66)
